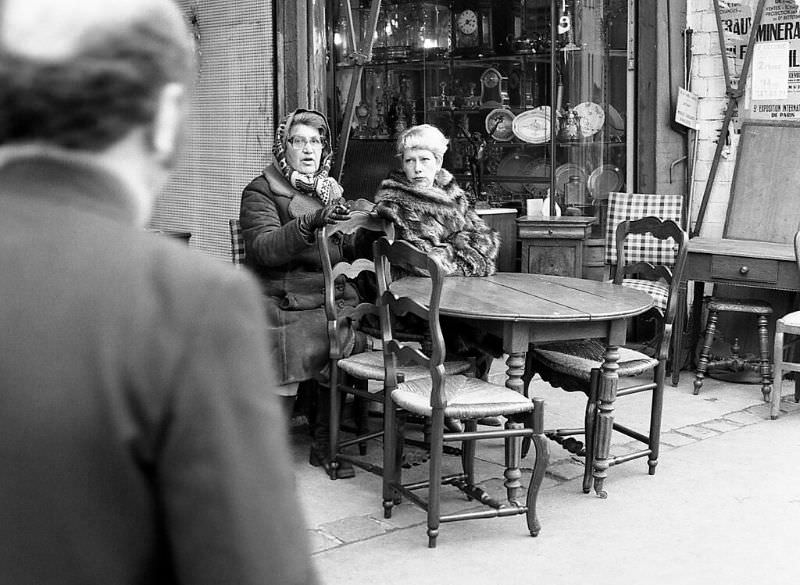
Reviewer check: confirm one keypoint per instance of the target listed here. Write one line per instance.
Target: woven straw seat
(578, 359)
(465, 398)
(368, 365)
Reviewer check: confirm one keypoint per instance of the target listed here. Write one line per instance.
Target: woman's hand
(327, 215)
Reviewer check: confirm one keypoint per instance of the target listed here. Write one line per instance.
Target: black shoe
(454, 425)
(318, 457)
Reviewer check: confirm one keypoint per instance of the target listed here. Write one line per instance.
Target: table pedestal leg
(515, 371)
(607, 393)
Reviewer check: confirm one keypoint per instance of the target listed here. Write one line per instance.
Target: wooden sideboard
(553, 245)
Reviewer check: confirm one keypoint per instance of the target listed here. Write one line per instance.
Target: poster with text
(773, 87)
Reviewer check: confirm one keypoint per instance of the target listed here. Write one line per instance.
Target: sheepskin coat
(439, 220)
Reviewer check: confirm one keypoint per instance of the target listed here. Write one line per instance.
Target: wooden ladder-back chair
(350, 373)
(440, 395)
(575, 365)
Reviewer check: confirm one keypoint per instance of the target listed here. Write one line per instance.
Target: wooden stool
(734, 361)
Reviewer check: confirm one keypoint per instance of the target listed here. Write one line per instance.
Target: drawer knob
(744, 270)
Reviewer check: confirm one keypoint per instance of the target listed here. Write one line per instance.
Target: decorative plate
(564, 172)
(614, 121)
(592, 117)
(499, 124)
(514, 165)
(538, 169)
(603, 180)
(533, 126)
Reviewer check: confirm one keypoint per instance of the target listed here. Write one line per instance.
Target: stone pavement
(723, 504)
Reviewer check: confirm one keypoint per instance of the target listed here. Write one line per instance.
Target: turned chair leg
(588, 426)
(702, 363)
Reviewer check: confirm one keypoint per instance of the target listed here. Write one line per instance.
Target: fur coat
(439, 220)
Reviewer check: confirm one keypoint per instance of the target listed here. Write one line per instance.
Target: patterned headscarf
(325, 188)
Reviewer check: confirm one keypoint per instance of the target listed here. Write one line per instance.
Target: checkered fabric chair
(644, 247)
(575, 365)
(237, 242)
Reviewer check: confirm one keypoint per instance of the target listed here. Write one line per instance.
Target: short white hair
(425, 137)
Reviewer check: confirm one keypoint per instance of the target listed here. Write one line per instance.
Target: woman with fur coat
(431, 211)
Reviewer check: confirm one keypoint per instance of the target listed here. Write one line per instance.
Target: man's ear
(168, 121)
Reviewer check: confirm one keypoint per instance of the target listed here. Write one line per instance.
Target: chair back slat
(238, 255)
(642, 247)
(336, 272)
(401, 257)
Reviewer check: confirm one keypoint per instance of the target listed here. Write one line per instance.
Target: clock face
(467, 22)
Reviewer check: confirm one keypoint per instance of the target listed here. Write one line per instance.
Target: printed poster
(773, 88)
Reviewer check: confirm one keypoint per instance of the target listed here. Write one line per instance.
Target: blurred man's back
(140, 438)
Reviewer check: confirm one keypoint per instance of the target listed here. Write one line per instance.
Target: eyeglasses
(300, 142)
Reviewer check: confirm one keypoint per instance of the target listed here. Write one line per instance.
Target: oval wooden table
(535, 308)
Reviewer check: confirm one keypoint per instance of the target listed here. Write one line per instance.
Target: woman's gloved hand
(323, 216)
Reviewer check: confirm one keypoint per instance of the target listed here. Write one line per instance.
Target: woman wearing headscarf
(281, 210)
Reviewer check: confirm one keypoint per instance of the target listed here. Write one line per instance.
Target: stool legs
(777, 352)
(702, 363)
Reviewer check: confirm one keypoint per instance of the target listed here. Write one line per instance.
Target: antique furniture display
(525, 309)
(578, 365)
(533, 80)
(442, 394)
(788, 324)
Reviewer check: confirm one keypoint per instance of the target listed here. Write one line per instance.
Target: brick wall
(708, 83)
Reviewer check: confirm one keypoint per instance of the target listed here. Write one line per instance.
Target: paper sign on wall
(686, 109)
(770, 71)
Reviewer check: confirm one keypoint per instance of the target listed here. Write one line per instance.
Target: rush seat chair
(350, 373)
(575, 365)
(443, 395)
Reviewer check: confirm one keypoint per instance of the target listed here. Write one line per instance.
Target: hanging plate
(533, 126)
(591, 116)
(499, 124)
(614, 122)
(515, 165)
(603, 180)
(564, 172)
